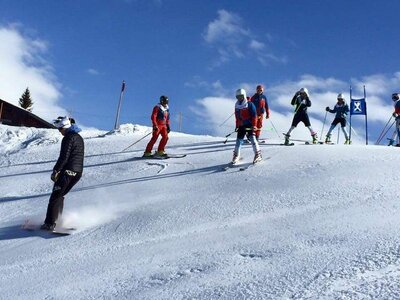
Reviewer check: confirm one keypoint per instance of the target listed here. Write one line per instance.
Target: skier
(341, 110)
(246, 124)
(67, 171)
(261, 103)
(396, 115)
(160, 120)
(302, 100)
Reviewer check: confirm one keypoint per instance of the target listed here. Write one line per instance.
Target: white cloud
(323, 92)
(93, 71)
(256, 45)
(231, 39)
(23, 65)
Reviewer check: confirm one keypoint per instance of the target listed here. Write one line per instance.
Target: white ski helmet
(340, 97)
(62, 122)
(395, 96)
(304, 90)
(241, 92)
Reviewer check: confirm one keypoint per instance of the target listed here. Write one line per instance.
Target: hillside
(310, 221)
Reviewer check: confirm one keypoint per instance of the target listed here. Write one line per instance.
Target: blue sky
(198, 53)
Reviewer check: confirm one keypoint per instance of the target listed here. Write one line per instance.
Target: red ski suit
(160, 120)
(261, 104)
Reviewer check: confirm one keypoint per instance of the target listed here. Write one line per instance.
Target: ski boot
(147, 154)
(48, 227)
(287, 141)
(314, 138)
(328, 139)
(257, 157)
(235, 158)
(391, 142)
(161, 154)
(347, 142)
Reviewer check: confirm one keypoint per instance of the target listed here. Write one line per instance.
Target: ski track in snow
(309, 223)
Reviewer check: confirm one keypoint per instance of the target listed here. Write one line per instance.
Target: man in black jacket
(67, 171)
(301, 100)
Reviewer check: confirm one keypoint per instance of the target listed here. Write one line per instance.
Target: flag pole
(350, 112)
(366, 118)
(116, 125)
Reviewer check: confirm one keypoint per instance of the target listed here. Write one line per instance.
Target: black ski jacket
(301, 103)
(71, 154)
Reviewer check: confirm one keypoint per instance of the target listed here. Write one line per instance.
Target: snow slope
(310, 222)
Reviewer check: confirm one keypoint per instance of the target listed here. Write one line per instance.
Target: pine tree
(25, 101)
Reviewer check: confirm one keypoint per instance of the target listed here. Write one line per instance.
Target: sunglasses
(240, 97)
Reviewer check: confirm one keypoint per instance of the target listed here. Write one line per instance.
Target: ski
(231, 165)
(290, 144)
(311, 143)
(164, 157)
(244, 168)
(61, 231)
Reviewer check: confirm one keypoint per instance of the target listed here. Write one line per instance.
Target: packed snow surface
(309, 222)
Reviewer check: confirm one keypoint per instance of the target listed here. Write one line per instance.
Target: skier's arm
(253, 114)
(293, 102)
(308, 102)
(65, 152)
(267, 113)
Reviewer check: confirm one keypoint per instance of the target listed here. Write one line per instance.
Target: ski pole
(137, 141)
(226, 119)
(323, 124)
(228, 135)
(275, 128)
(388, 129)
(380, 135)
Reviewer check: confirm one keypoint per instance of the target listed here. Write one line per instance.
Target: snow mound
(18, 138)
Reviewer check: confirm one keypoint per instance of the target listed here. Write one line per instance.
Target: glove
(255, 128)
(303, 102)
(267, 116)
(327, 108)
(155, 128)
(236, 129)
(168, 129)
(395, 115)
(54, 176)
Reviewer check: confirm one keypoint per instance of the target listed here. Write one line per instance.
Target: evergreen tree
(25, 101)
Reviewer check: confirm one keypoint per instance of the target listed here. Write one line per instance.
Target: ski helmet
(163, 99)
(395, 96)
(240, 93)
(340, 97)
(62, 122)
(304, 90)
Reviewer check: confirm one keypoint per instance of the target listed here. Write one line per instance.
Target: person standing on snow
(246, 124)
(67, 171)
(396, 115)
(261, 103)
(302, 101)
(341, 110)
(160, 120)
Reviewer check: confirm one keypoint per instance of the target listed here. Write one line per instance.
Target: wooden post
(1, 111)
(180, 122)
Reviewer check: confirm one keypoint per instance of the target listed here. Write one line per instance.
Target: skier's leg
(152, 141)
(259, 126)
(239, 141)
(56, 201)
(346, 134)
(256, 147)
(164, 139)
(254, 143)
